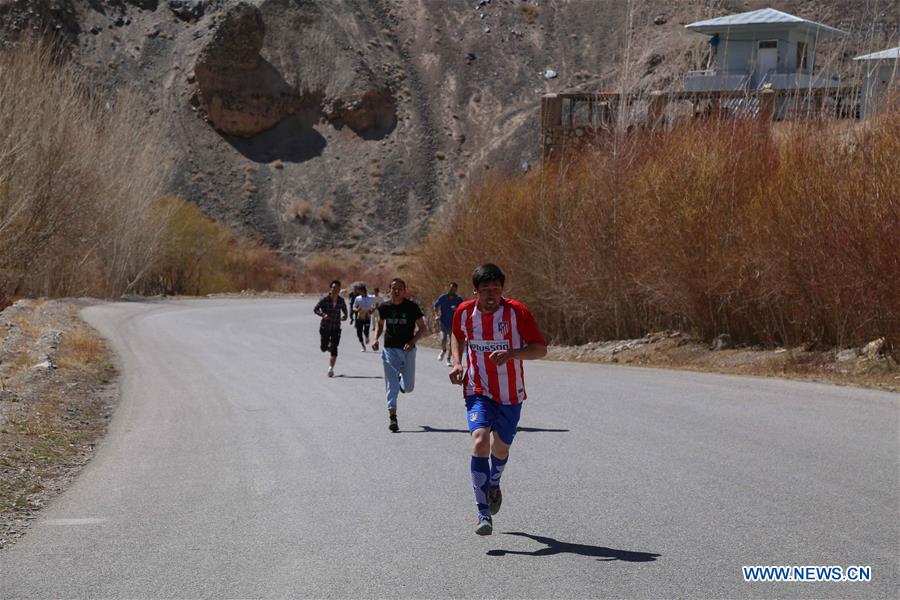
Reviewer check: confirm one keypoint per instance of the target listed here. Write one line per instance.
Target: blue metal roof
(893, 53)
(764, 17)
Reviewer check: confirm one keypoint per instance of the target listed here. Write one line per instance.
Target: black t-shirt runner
(399, 322)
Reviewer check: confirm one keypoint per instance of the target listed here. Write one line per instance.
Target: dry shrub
(253, 266)
(530, 12)
(202, 256)
(195, 251)
(321, 269)
(299, 210)
(81, 349)
(325, 212)
(713, 227)
(78, 171)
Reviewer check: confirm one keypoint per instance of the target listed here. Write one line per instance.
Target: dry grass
(299, 210)
(201, 256)
(55, 415)
(19, 363)
(713, 227)
(319, 270)
(82, 349)
(325, 212)
(77, 171)
(82, 209)
(530, 12)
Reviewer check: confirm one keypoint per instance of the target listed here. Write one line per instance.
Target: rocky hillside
(349, 123)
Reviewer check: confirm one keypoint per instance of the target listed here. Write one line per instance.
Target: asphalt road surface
(235, 468)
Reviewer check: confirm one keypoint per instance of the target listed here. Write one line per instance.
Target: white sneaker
(449, 364)
(441, 356)
(331, 371)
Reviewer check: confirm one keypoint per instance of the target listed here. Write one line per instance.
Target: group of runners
(494, 332)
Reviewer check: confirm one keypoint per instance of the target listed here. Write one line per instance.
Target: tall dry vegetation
(319, 270)
(82, 212)
(202, 256)
(783, 237)
(78, 172)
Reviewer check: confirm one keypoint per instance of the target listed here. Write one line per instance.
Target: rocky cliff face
(350, 123)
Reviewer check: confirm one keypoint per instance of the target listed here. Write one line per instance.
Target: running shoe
(441, 356)
(495, 499)
(394, 426)
(484, 526)
(331, 371)
(400, 380)
(449, 364)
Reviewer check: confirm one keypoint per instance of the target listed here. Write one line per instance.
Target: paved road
(235, 468)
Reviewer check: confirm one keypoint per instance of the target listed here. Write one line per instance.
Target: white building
(764, 47)
(881, 73)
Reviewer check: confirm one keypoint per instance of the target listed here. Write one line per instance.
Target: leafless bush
(320, 269)
(713, 227)
(298, 210)
(325, 212)
(78, 173)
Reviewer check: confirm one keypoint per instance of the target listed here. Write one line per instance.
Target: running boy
(404, 325)
(362, 307)
(444, 307)
(333, 310)
(497, 334)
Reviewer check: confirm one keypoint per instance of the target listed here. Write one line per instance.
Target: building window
(802, 62)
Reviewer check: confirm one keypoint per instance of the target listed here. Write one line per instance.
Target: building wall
(737, 52)
(790, 59)
(734, 56)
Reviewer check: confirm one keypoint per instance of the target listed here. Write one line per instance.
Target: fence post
(767, 105)
(656, 112)
(551, 122)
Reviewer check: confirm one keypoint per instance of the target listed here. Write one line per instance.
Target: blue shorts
(502, 418)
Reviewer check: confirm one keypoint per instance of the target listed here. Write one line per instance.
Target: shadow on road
(429, 429)
(557, 547)
(360, 376)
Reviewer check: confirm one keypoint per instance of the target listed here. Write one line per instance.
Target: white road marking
(82, 521)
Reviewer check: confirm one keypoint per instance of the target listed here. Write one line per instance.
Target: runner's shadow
(557, 547)
(540, 430)
(429, 429)
(360, 376)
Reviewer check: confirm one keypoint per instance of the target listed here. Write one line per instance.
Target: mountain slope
(349, 123)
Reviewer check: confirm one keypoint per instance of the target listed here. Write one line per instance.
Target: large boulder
(374, 113)
(240, 93)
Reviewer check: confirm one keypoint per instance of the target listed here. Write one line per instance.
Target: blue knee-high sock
(497, 467)
(481, 472)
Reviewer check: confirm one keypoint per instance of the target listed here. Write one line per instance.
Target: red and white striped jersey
(511, 326)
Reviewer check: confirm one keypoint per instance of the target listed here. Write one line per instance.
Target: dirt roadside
(57, 393)
(868, 366)
(58, 389)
